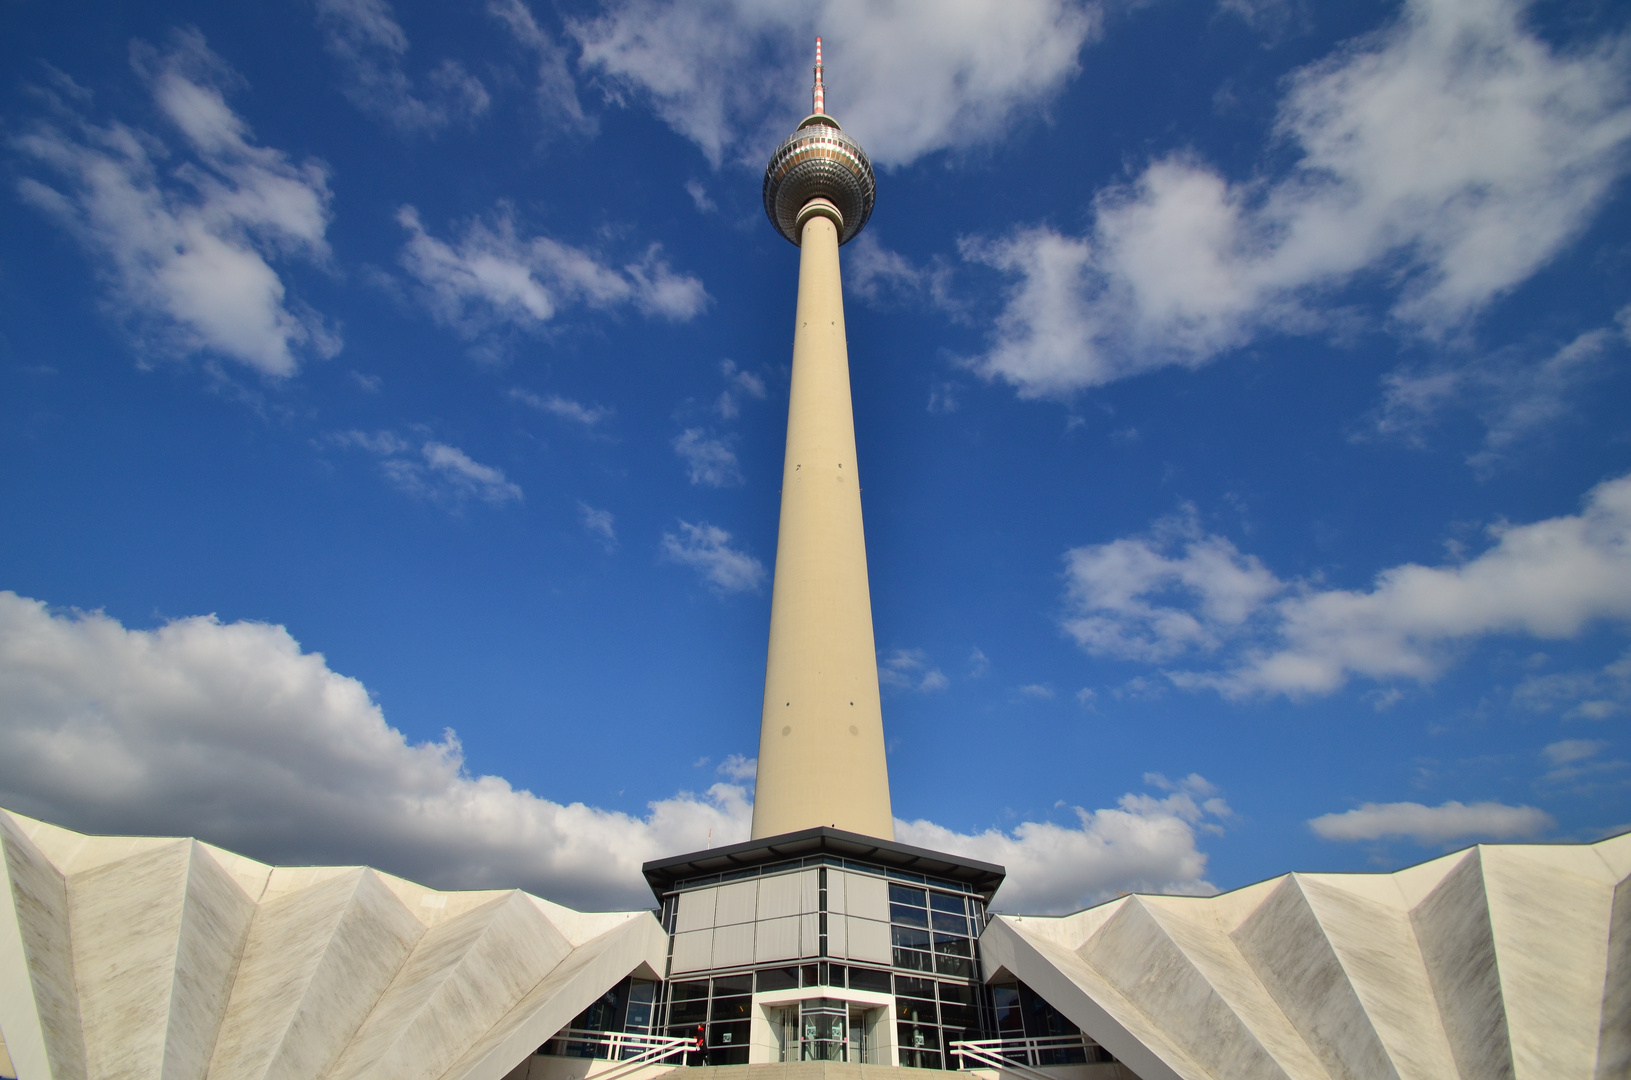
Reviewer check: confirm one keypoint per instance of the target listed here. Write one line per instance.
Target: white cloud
(699, 196)
(909, 669)
(1513, 398)
(739, 768)
(599, 524)
(738, 384)
(1582, 695)
(565, 408)
(185, 233)
(1450, 155)
(557, 92)
(708, 461)
(438, 472)
(234, 734)
(877, 274)
(706, 548)
(1145, 844)
(492, 276)
(1549, 579)
(1432, 825)
(1116, 590)
(370, 46)
(978, 663)
(1037, 691)
(907, 78)
(1570, 751)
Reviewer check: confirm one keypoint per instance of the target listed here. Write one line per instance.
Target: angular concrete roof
(1500, 962)
(136, 957)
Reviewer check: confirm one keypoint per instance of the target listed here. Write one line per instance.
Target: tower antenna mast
(819, 93)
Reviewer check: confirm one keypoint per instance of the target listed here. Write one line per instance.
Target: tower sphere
(819, 161)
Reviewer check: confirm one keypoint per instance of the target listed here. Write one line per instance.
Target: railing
(630, 1050)
(1026, 1057)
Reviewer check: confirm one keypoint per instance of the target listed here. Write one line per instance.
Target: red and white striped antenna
(820, 92)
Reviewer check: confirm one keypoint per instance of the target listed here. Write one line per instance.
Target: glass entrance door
(823, 1030)
(857, 1036)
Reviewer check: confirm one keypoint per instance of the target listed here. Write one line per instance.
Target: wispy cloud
(492, 276)
(1581, 695)
(739, 768)
(1453, 153)
(556, 92)
(910, 669)
(738, 384)
(707, 549)
(432, 470)
(185, 233)
(370, 46)
(599, 524)
(709, 460)
(565, 408)
(1433, 825)
(1178, 592)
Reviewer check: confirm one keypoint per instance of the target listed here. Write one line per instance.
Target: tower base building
(820, 949)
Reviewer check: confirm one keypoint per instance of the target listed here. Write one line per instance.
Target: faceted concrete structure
(1501, 961)
(143, 957)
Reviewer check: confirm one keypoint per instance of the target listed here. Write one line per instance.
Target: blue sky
(392, 399)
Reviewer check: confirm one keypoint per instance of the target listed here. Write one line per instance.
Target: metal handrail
(1001, 1053)
(647, 1049)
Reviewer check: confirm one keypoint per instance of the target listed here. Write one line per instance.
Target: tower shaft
(821, 748)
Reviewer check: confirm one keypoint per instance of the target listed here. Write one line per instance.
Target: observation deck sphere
(819, 161)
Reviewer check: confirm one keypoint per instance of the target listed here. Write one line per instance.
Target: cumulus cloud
(1177, 593)
(185, 229)
(909, 669)
(707, 549)
(1144, 844)
(434, 470)
(1513, 397)
(1449, 156)
(556, 92)
(709, 461)
(233, 733)
(907, 78)
(565, 408)
(368, 43)
(492, 276)
(1433, 825)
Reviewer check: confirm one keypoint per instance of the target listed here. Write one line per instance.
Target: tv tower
(821, 748)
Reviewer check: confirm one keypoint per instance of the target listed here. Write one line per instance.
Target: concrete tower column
(821, 749)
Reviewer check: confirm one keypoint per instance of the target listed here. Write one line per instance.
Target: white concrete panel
(1549, 928)
(738, 902)
(1377, 950)
(157, 941)
(693, 951)
(1288, 950)
(781, 895)
(867, 940)
(1453, 930)
(733, 945)
(416, 1035)
(1616, 853)
(315, 963)
(39, 1004)
(1137, 955)
(866, 897)
(776, 939)
(6, 1069)
(592, 968)
(696, 910)
(1614, 1033)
